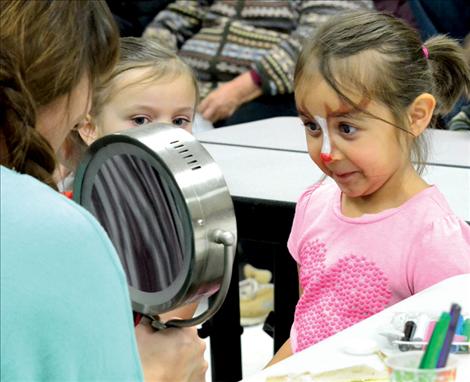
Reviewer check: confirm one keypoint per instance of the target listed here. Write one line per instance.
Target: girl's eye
(347, 129)
(181, 121)
(140, 120)
(312, 127)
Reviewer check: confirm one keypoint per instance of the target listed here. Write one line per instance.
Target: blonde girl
(366, 88)
(150, 83)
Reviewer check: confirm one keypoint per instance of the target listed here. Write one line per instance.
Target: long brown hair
(45, 49)
(384, 59)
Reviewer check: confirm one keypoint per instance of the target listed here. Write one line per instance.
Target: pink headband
(425, 51)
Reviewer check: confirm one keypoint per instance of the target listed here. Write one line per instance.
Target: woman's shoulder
(30, 196)
(35, 211)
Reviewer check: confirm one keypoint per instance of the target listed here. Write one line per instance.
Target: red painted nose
(326, 157)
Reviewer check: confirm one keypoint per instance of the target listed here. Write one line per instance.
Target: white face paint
(326, 145)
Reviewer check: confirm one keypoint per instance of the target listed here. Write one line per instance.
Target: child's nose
(325, 153)
(326, 157)
(335, 152)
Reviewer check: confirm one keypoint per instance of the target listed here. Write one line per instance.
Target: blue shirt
(65, 307)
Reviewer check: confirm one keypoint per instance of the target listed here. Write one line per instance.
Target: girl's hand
(173, 355)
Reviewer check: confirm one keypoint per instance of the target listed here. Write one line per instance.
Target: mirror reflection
(143, 218)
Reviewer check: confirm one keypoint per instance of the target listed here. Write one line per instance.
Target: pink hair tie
(425, 51)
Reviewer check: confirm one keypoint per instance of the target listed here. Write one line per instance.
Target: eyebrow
(345, 114)
(334, 114)
(188, 109)
(151, 109)
(302, 112)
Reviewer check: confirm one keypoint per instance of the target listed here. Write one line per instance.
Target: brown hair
(383, 58)
(45, 49)
(139, 52)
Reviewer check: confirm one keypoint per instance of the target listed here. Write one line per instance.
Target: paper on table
(356, 373)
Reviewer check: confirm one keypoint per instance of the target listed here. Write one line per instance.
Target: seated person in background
(461, 121)
(397, 8)
(132, 16)
(243, 52)
(430, 18)
(434, 17)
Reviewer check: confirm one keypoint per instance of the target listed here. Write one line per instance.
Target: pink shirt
(352, 268)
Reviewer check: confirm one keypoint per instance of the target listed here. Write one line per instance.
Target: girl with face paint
(377, 233)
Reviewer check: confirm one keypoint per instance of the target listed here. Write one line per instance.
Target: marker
(422, 324)
(459, 329)
(431, 355)
(466, 333)
(454, 319)
(409, 332)
(429, 330)
(466, 329)
(458, 334)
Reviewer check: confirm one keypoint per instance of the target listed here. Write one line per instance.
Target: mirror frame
(198, 184)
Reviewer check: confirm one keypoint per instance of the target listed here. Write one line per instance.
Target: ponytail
(450, 72)
(46, 47)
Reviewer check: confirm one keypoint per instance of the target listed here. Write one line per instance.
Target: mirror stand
(227, 239)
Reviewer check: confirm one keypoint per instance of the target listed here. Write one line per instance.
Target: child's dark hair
(46, 47)
(384, 59)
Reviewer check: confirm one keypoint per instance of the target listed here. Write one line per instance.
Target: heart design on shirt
(336, 296)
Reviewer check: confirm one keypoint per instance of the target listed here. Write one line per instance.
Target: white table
(282, 175)
(447, 148)
(329, 354)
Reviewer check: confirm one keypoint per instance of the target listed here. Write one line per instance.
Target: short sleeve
(298, 222)
(442, 251)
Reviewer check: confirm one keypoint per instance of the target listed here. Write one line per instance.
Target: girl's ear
(88, 131)
(420, 112)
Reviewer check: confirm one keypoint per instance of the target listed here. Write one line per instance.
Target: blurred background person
(243, 52)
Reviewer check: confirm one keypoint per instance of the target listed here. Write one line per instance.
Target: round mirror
(143, 218)
(166, 207)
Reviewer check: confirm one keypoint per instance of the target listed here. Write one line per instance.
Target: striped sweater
(222, 39)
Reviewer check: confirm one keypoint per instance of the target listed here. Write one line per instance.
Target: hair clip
(425, 51)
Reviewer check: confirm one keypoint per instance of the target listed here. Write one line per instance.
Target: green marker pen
(431, 355)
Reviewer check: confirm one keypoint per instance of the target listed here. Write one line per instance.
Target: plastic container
(404, 367)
